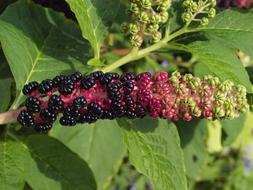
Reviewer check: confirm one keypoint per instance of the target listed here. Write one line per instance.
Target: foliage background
(38, 42)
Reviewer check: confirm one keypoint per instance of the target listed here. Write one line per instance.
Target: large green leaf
(232, 128)
(11, 164)
(234, 28)
(52, 166)
(38, 43)
(99, 144)
(154, 149)
(92, 16)
(193, 135)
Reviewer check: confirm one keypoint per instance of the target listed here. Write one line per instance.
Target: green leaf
(52, 166)
(233, 28)
(219, 60)
(175, 12)
(90, 19)
(11, 164)
(95, 62)
(154, 149)
(250, 101)
(232, 128)
(5, 95)
(193, 135)
(39, 43)
(99, 144)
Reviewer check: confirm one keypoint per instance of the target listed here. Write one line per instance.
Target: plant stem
(10, 116)
(134, 54)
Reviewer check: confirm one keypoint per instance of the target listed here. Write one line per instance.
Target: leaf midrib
(35, 63)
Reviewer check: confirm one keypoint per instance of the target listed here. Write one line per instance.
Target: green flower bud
(155, 19)
(136, 40)
(193, 7)
(164, 17)
(196, 111)
(187, 16)
(187, 77)
(189, 102)
(204, 21)
(213, 3)
(194, 84)
(230, 114)
(219, 112)
(176, 74)
(241, 89)
(219, 98)
(156, 36)
(226, 86)
(146, 4)
(143, 17)
(152, 28)
(211, 13)
(133, 8)
(187, 3)
(133, 28)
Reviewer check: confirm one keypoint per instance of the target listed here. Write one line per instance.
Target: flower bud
(204, 21)
(211, 13)
(136, 40)
(143, 17)
(156, 36)
(146, 4)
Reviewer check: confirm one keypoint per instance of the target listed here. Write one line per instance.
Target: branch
(10, 116)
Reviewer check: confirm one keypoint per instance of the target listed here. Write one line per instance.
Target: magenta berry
(81, 98)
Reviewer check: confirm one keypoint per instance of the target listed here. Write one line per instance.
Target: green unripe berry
(193, 7)
(187, 3)
(143, 17)
(136, 40)
(164, 17)
(146, 4)
(152, 28)
(211, 13)
(187, 16)
(133, 28)
(204, 21)
(155, 19)
(133, 8)
(213, 3)
(156, 36)
(219, 112)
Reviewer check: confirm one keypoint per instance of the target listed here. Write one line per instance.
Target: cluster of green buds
(198, 11)
(146, 18)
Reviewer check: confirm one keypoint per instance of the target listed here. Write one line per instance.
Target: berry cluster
(81, 98)
(198, 11)
(146, 18)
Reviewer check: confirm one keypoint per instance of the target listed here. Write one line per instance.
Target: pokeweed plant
(121, 99)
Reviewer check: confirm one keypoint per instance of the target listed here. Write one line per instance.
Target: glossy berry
(79, 103)
(30, 87)
(32, 104)
(26, 119)
(66, 87)
(75, 76)
(43, 127)
(87, 82)
(55, 103)
(68, 120)
(48, 115)
(94, 109)
(59, 79)
(45, 86)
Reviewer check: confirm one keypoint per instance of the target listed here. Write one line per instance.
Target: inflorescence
(78, 98)
(146, 18)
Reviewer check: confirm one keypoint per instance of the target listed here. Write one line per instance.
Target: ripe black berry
(32, 104)
(71, 111)
(43, 127)
(97, 75)
(47, 115)
(87, 118)
(66, 87)
(87, 82)
(130, 114)
(128, 87)
(45, 86)
(75, 76)
(79, 103)
(94, 109)
(127, 77)
(26, 119)
(59, 79)
(30, 87)
(68, 120)
(55, 103)
(140, 111)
